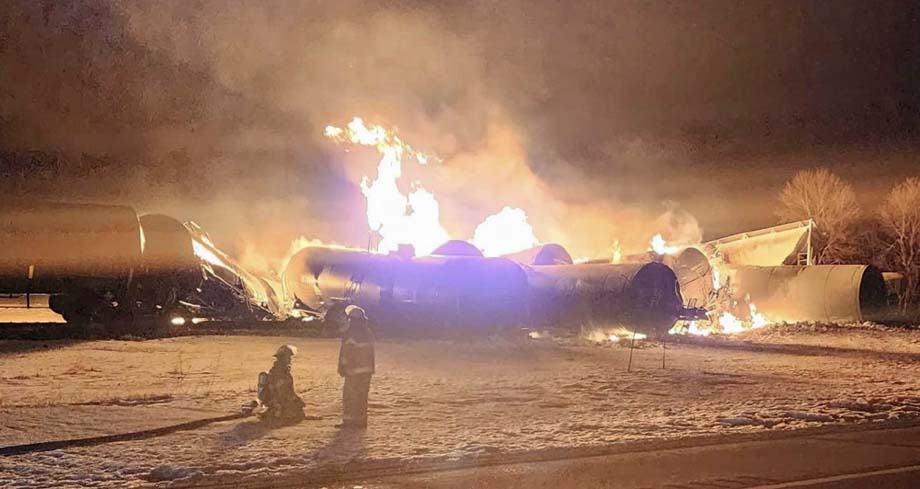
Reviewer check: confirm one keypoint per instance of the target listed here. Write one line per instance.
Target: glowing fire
(716, 282)
(616, 252)
(626, 336)
(414, 218)
(727, 323)
(400, 219)
(730, 324)
(660, 246)
(386, 142)
(504, 232)
(757, 319)
(201, 251)
(695, 329)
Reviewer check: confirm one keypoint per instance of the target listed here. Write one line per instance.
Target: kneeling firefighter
(356, 365)
(276, 389)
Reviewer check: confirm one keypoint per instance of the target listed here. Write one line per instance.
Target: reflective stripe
(361, 370)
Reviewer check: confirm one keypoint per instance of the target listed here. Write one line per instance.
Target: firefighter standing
(277, 394)
(356, 365)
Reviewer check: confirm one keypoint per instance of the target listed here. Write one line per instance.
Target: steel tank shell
(432, 293)
(821, 293)
(301, 277)
(547, 254)
(47, 247)
(694, 273)
(457, 247)
(227, 288)
(167, 245)
(641, 297)
(171, 270)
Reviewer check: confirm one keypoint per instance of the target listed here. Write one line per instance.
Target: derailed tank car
(693, 270)
(695, 276)
(547, 254)
(640, 297)
(457, 288)
(87, 256)
(101, 263)
(432, 295)
(227, 291)
(171, 270)
(823, 293)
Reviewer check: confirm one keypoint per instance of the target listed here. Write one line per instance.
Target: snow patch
(165, 473)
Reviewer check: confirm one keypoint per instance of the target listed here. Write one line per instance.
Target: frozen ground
(431, 399)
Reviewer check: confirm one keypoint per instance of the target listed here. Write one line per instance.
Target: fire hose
(99, 440)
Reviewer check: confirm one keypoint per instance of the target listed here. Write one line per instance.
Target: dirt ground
(430, 399)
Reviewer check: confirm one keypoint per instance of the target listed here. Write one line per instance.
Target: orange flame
(757, 319)
(616, 252)
(399, 218)
(660, 246)
(504, 232)
(414, 218)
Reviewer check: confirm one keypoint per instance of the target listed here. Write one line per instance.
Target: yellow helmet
(354, 311)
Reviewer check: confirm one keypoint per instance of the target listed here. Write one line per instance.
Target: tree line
(887, 236)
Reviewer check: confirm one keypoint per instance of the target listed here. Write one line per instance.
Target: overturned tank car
(640, 297)
(820, 293)
(454, 289)
(457, 289)
(101, 263)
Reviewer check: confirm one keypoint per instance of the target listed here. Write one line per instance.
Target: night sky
(618, 111)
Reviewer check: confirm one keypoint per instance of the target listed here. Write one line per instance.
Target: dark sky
(214, 110)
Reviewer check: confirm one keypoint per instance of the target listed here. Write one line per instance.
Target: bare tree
(866, 242)
(821, 195)
(900, 216)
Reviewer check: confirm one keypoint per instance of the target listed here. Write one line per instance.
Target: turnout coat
(356, 355)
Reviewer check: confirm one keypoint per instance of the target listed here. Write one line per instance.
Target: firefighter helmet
(354, 311)
(286, 351)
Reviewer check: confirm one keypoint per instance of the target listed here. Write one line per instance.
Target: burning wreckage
(457, 288)
(104, 264)
(101, 263)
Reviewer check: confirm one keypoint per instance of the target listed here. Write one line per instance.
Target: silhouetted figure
(277, 389)
(356, 365)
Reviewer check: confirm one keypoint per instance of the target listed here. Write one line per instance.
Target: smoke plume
(604, 123)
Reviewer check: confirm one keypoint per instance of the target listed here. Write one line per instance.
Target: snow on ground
(13, 309)
(430, 399)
